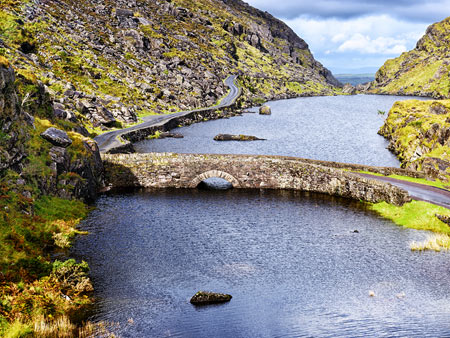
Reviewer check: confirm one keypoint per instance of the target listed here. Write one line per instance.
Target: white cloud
(357, 33)
(380, 36)
(364, 44)
(384, 30)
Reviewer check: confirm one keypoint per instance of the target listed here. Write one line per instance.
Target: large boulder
(265, 110)
(57, 137)
(204, 298)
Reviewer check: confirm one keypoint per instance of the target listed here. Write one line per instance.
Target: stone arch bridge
(170, 170)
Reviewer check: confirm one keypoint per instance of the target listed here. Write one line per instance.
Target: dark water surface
(291, 260)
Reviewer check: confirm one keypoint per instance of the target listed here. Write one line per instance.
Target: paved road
(419, 192)
(109, 140)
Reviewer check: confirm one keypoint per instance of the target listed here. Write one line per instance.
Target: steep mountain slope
(110, 61)
(424, 71)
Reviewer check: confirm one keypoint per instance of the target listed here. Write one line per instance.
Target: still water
(292, 261)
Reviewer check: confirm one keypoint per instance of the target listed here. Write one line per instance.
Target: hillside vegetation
(108, 62)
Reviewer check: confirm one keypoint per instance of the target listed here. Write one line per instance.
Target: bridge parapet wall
(170, 170)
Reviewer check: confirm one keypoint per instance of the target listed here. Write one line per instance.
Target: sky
(357, 36)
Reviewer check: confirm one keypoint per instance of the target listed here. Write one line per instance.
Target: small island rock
(265, 110)
(204, 297)
(229, 137)
(57, 137)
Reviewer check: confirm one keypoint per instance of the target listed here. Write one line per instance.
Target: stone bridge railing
(169, 170)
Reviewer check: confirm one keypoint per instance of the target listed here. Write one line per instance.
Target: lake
(297, 264)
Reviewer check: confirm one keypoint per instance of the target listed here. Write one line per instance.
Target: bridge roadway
(111, 140)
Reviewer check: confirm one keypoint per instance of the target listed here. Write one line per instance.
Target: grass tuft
(435, 242)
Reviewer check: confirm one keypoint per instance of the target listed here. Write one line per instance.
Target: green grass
(415, 215)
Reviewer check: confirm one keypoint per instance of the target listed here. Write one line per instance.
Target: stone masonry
(170, 170)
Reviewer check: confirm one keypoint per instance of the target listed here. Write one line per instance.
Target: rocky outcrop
(55, 163)
(419, 134)
(13, 121)
(423, 71)
(57, 137)
(349, 89)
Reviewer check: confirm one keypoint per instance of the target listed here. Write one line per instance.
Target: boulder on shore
(265, 110)
(204, 298)
(229, 137)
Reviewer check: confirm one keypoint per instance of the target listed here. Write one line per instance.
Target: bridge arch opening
(215, 179)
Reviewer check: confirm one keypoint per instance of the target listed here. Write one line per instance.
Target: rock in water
(265, 110)
(57, 137)
(204, 298)
(228, 137)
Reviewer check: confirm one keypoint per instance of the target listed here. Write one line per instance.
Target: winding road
(110, 139)
(418, 192)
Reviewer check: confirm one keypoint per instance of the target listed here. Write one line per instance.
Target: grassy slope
(421, 216)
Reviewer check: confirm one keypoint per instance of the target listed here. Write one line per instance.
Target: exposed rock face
(204, 298)
(12, 121)
(419, 134)
(349, 89)
(424, 71)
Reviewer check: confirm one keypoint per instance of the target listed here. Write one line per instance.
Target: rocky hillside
(106, 63)
(424, 71)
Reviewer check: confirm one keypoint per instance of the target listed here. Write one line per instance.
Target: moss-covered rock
(205, 298)
(419, 134)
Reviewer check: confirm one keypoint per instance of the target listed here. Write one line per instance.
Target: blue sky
(357, 36)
